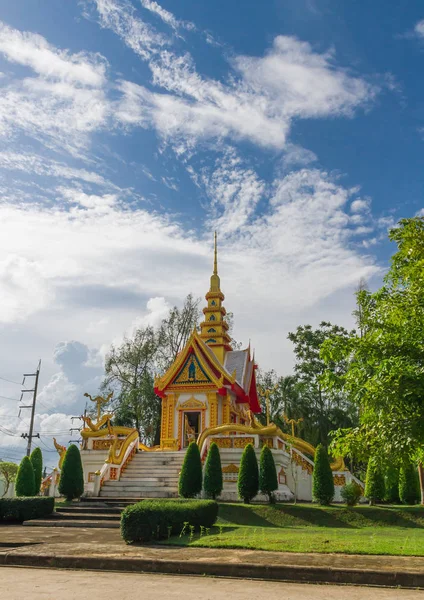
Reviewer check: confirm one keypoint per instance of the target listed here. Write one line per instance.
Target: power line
(10, 381)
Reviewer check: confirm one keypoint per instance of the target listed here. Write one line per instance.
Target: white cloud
(360, 205)
(62, 103)
(23, 288)
(419, 28)
(166, 16)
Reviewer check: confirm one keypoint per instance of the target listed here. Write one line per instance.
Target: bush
(158, 519)
(409, 488)
(25, 483)
(351, 493)
(190, 481)
(248, 476)
(212, 482)
(391, 485)
(374, 482)
(24, 509)
(36, 459)
(71, 484)
(322, 478)
(268, 482)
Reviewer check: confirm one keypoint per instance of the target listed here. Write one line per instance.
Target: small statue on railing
(99, 400)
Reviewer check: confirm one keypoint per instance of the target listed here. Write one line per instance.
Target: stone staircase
(149, 475)
(81, 515)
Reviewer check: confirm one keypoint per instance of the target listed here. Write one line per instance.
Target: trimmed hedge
(157, 519)
(25, 481)
(409, 486)
(374, 482)
(248, 475)
(190, 481)
(24, 509)
(322, 477)
(268, 481)
(71, 483)
(212, 482)
(36, 459)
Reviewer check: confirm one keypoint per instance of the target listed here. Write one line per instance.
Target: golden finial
(292, 422)
(215, 260)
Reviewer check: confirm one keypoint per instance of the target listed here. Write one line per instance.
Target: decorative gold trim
(192, 404)
(232, 468)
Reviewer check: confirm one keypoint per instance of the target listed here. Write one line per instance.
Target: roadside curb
(292, 573)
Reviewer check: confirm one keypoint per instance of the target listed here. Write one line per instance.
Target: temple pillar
(226, 402)
(171, 415)
(164, 420)
(213, 409)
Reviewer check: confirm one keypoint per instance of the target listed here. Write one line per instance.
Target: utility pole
(30, 434)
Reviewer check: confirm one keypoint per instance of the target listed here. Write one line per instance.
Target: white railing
(112, 472)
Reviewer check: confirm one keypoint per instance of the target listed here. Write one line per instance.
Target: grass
(308, 528)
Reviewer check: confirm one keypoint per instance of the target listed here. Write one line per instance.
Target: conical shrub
(391, 485)
(248, 476)
(24, 484)
(268, 481)
(71, 484)
(190, 481)
(36, 459)
(212, 481)
(374, 482)
(322, 478)
(409, 487)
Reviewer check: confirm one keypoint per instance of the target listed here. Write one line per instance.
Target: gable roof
(237, 374)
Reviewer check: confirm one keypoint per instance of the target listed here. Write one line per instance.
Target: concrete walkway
(103, 549)
(37, 584)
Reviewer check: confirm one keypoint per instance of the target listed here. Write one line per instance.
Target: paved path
(43, 584)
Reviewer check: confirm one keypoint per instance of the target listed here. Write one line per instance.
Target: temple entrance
(191, 427)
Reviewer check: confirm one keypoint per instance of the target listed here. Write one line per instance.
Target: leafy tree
(174, 331)
(323, 408)
(71, 483)
(268, 482)
(322, 477)
(212, 482)
(8, 472)
(391, 484)
(284, 399)
(374, 482)
(248, 476)
(409, 491)
(130, 369)
(25, 483)
(37, 464)
(190, 481)
(384, 374)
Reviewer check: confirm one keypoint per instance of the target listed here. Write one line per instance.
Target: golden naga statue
(61, 450)
(99, 400)
(96, 426)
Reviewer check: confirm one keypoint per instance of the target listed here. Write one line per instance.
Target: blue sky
(129, 131)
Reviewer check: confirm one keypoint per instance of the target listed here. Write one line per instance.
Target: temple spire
(215, 281)
(215, 262)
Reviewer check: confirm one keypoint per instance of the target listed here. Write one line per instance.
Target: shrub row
(24, 509)
(157, 519)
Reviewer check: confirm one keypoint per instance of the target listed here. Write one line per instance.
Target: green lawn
(308, 528)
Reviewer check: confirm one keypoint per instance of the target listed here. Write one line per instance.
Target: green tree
(374, 482)
(322, 477)
(190, 481)
(284, 399)
(323, 409)
(36, 459)
(25, 484)
(409, 491)
(384, 374)
(391, 484)
(71, 483)
(212, 481)
(8, 472)
(130, 369)
(268, 482)
(248, 476)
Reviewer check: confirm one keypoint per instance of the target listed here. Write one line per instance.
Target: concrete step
(85, 516)
(87, 508)
(139, 488)
(146, 480)
(91, 523)
(122, 495)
